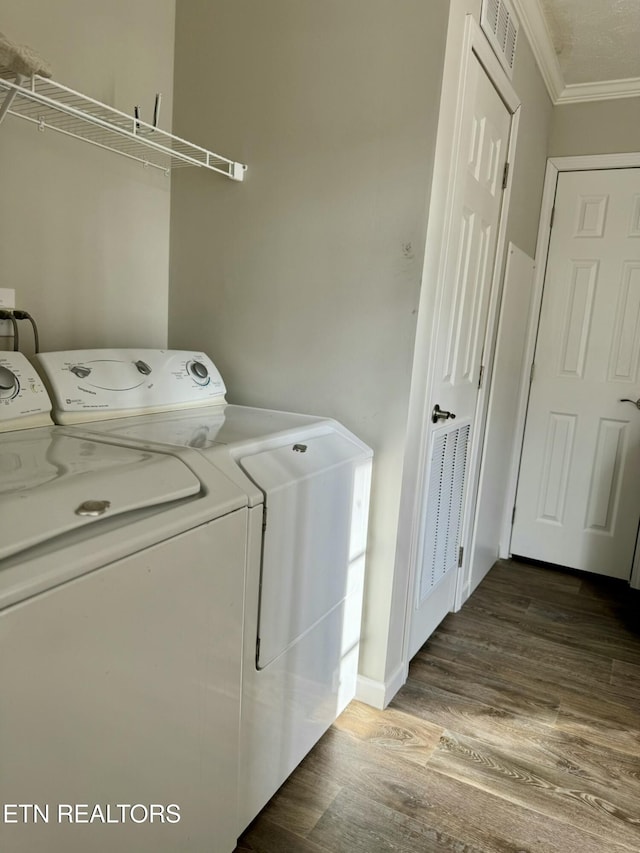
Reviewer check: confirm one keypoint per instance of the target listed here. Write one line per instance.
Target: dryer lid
(316, 496)
(51, 483)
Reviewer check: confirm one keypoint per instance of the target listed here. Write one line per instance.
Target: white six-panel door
(460, 332)
(578, 500)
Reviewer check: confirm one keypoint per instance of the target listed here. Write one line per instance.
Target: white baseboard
(378, 694)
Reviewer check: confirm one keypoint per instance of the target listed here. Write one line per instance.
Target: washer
(307, 482)
(122, 577)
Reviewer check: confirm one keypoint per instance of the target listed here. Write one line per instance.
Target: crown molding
(603, 90)
(534, 24)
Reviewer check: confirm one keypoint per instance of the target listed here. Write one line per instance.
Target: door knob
(636, 403)
(439, 414)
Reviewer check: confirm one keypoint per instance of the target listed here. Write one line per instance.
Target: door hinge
(513, 515)
(531, 372)
(460, 556)
(553, 216)
(264, 519)
(505, 175)
(481, 376)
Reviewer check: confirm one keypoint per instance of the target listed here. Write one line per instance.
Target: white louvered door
(578, 501)
(459, 338)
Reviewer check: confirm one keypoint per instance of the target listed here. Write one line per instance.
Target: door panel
(459, 336)
(626, 349)
(500, 440)
(578, 503)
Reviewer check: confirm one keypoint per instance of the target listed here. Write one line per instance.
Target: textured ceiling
(595, 40)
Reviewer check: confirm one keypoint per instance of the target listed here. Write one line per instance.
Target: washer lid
(51, 483)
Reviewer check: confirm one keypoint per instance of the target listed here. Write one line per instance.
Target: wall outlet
(7, 297)
(7, 300)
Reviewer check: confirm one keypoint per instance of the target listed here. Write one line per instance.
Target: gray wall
(596, 127)
(303, 282)
(84, 234)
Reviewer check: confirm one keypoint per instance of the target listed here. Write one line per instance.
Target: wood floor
(518, 731)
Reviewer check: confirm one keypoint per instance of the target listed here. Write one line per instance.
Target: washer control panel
(24, 401)
(99, 384)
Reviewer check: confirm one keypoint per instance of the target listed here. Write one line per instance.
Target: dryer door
(316, 511)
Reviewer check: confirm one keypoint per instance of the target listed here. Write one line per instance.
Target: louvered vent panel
(500, 25)
(445, 494)
(492, 10)
(510, 42)
(503, 23)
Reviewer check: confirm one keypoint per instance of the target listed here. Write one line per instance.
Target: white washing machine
(307, 483)
(121, 608)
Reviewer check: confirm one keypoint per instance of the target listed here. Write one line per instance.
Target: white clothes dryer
(307, 483)
(121, 611)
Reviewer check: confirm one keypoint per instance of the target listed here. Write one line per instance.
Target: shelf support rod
(6, 104)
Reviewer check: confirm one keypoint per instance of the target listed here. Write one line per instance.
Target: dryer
(306, 481)
(122, 577)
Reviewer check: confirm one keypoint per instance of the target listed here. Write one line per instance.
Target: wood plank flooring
(518, 731)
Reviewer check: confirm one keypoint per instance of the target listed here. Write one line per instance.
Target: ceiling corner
(534, 23)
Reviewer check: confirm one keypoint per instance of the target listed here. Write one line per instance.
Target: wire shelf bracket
(52, 106)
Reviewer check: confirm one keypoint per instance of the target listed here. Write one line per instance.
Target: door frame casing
(472, 41)
(555, 165)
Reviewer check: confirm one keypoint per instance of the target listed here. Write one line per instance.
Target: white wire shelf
(51, 106)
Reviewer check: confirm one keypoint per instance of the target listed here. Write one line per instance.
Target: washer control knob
(142, 367)
(9, 384)
(199, 372)
(80, 371)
